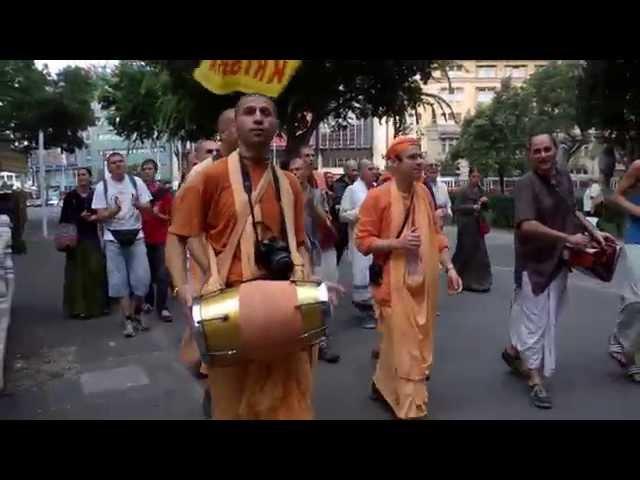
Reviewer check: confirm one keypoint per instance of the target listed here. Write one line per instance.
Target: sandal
(616, 351)
(634, 373)
(539, 397)
(513, 362)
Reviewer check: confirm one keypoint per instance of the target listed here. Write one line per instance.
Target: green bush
(501, 209)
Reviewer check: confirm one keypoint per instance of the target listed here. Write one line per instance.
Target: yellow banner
(267, 77)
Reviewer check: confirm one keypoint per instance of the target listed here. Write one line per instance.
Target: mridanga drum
(260, 320)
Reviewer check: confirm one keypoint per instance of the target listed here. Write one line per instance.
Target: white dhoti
(627, 279)
(353, 197)
(361, 292)
(329, 266)
(532, 322)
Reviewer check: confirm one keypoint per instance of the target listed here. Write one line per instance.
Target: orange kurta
(279, 389)
(406, 300)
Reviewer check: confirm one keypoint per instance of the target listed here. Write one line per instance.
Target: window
(455, 71)
(515, 71)
(446, 143)
(355, 135)
(485, 94)
(453, 95)
(487, 71)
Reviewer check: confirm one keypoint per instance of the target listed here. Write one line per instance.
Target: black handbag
(376, 269)
(125, 238)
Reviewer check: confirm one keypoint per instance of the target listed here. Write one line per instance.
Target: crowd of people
(122, 226)
(388, 224)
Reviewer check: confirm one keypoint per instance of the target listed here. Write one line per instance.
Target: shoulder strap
(105, 189)
(133, 182)
(406, 215)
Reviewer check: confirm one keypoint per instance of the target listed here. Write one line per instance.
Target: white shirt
(129, 216)
(441, 192)
(589, 196)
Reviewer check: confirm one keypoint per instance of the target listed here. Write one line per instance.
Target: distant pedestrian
(85, 292)
(155, 225)
(339, 187)
(119, 199)
(316, 221)
(439, 191)
(471, 258)
(352, 200)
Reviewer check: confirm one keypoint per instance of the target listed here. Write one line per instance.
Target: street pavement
(59, 368)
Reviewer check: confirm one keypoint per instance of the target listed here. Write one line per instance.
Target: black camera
(274, 257)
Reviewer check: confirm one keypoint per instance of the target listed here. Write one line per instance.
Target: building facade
(473, 83)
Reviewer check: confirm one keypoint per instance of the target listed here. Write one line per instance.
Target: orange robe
(406, 300)
(279, 389)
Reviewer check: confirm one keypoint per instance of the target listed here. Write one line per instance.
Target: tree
(131, 97)
(495, 138)
(320, 90)
(33, 100)
(608, 100)
(554, 106)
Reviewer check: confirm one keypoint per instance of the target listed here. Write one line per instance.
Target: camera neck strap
(246, 182)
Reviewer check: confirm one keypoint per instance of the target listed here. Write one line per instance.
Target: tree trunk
(501, 180)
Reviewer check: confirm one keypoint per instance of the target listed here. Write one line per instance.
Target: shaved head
(250, 96)
(367, 170)
(226, 120)
(227, 131)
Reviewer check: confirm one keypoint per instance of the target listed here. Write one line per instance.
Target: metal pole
(43, 188)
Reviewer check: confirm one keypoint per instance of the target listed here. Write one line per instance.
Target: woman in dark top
(85, 292)
(471, 259)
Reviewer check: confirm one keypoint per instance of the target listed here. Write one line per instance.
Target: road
(60, 368)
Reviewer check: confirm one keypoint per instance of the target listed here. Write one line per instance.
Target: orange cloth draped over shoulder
(279, 389)
(406, 299)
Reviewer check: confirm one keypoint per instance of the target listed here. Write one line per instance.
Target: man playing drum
(210, 204)
(546, 222)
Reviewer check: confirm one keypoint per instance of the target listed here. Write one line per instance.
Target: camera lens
(282, 266)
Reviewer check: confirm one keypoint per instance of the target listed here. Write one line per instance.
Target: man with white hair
(349, 209)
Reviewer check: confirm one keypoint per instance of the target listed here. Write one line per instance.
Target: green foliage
(501, 209)
(608, 100)
(495, 138)
(176, 105)
(32, 100)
